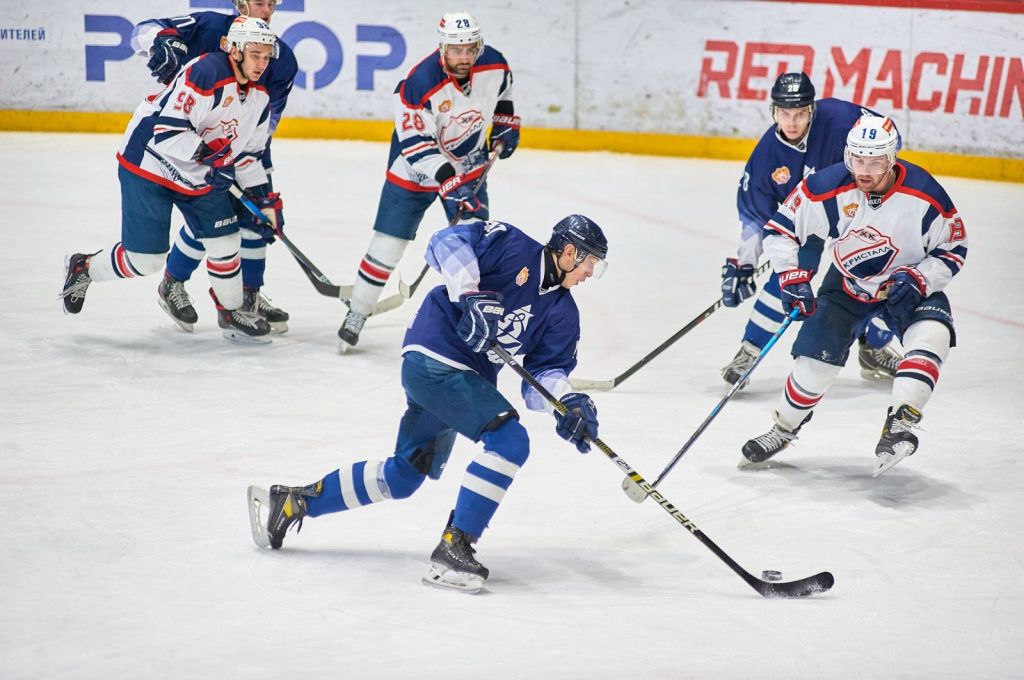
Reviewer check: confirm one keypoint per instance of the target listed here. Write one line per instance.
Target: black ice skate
(453, 565)
(740, 363)
(760, 449)
(878, 364)
(285, 506)
(350, 330)
(256, 302)
(76, 282)
(240, 325)
(176, 301)
(897, 441)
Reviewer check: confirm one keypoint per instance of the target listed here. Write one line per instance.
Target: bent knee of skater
(146, 263)
(509, 440)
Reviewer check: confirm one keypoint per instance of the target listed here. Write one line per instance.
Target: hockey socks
(188, 252)
(380, 260)
(351, 487)
(489, 476)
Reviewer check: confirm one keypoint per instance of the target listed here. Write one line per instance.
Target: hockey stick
(319, 280)
(637, 493)
(605, 385)
(818, 583)
(407, 291)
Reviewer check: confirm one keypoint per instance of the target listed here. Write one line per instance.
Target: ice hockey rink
(127, 445)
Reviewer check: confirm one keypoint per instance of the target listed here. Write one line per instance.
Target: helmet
(583, 233)
(872, 136)
(459, 28)
(792, 91)
(239, 4)
(250, 31)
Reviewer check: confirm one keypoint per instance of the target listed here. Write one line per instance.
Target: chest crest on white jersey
(863, 252)
(459, 134)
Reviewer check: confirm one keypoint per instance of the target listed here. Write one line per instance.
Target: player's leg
(187, 252)
(765, 319)
(254, 266)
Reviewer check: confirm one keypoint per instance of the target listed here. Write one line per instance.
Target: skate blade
(181, 324)
(258, 500)
(442, 577)
(747, 464)
(887, 461)
(243, 338)
(344, 347)
(278, 327)
(877, 375)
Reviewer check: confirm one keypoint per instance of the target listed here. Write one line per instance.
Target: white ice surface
(126, 446)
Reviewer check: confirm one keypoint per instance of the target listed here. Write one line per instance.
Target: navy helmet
(583, 233)
(792, 91)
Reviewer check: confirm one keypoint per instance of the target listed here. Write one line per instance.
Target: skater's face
(260, 9)
(578, 266)
(458, 59)
(255, 60)
(793, 123)
(873, 174)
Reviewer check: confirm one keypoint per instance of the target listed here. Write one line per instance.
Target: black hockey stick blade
(811, 585)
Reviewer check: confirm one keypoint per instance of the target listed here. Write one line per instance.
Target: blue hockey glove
(272, 207)
(504, 129)
(797, 292)
(458, 196)
(217, 155)
(579, 425)
(737, 282)
(481, 313)
(905, 290)
(166, 55)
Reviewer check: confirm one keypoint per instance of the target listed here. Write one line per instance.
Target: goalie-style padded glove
(458, 196)
(504, 130)
(797, 292)
(737, 282)
(166, 55)
(481, 313)
(579, 424)
(217, 155)
(905, 290)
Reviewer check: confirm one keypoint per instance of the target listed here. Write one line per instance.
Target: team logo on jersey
(957, 231)
(781, 175)
(850, 210)
(874, 200)
(864, 252)
(230, 128)
(460, 134)
(523, 276)
(445, 106)
(227, 101)
(510, 329)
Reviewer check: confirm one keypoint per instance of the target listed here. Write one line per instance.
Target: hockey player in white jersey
(438, 149)
(897, 243)
(184, 147)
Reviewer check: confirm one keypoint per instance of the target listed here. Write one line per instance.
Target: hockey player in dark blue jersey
(170, 43)
(499, 286)
(808, 135)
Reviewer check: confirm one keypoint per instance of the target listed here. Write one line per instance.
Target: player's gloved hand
(272, 207)
(481, 313)
(579, 425)
(737, 282)
(166, 55)
(458, 196)
(504, 129)
(216, 154)
(797, 292)
(905, 290)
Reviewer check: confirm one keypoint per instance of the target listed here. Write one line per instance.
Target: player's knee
(509, 440)
(146, 263)
(814, 376)
(930, 336)
(222, 246)
(402, 477)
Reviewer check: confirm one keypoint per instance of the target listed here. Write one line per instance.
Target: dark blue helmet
(583, 233)
(792, 91)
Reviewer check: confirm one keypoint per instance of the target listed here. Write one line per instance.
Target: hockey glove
(904, 290)
(504, 130)
(737, 282)
(579, 425)
(481, 313)
(458, 197)
(217, 155)
(797, 292)
(166, 55)
(272, 207)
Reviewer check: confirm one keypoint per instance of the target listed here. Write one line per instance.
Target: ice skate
(76, 282)
(350, 330)
(175, 300)
(256, 302)
(241, 326)
(284, 505)
(878, 363)
(740, 363)
(760, 449)
(897, 441)
(453, 565)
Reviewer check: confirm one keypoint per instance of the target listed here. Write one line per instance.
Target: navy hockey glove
(737, 282)
(217, 155)
(504, 130)
(166, 55)
(797, 292)
(272, 207)
(579, 425)
(481, 313)
(458, 196)
(904, 290)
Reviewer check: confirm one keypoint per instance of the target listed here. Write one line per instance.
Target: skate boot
(760, 449)
(176, 301)
(350, 330)
(453, 565)
(76, 282)
(897, 441)
(285, 506)
(878, 364)
(740, 363)
(256, 302)
(240, 325)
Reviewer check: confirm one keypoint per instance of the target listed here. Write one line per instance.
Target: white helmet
(872, 136)
(250, 31)
(459, 28)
